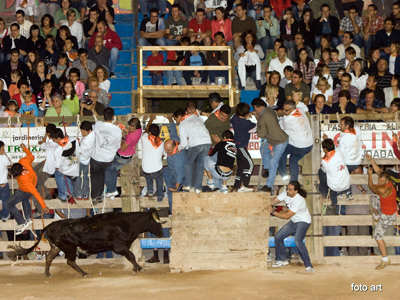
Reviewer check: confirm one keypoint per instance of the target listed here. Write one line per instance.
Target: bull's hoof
(48, 275)
(142, 270)
(86, 275)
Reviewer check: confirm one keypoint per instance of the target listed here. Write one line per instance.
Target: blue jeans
(396, 249)
(109, 254)
(334, 42)
(79, 5)
(253, 75)
(209, 165)
(324, 188)
(112, 62)
(146, 5)
(17, 197)
(213, 74)
(331, 231)
(252, 13)
(112, 173)
(196, 154)
(357, 40)
(271, 161)
(158, 177)
(295, 155)
(157, 78)
(144, 42)
(82, 182)
(299, 230)
(64, 183)
(169, 42)
(267, 42)
(368, 44)
(170, 77)
(289, 44)
(4, 196)
(2, 57)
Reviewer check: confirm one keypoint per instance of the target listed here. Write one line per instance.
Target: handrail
(185, 89)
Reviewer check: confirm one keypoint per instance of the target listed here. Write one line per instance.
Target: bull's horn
(157, 218)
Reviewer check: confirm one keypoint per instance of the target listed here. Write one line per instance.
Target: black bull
(114, 231)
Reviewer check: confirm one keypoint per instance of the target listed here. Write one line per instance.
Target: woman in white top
(393, 91)
(74, 26)
(297, 97)
(321, 71)
(324, 88)
(101, 74)
(358, 76)
(271, 95)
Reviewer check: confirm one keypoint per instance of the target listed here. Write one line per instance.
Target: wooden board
(359, 241)
(350, 220)
(219, 232)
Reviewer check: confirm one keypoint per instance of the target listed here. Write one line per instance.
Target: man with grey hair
(90, 106)
(296, 125)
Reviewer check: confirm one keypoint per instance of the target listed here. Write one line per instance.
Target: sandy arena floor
(114, 280)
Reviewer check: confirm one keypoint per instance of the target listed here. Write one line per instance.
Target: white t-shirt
(297, 127)
(392, 60)
(302, 106)
(108, 140)
(327, 93)
(337, 174)
(69, 165)
(315, 81)
(276, 65)
(4, 163)
(151, 157)
(105, 85)
(193, 132)
(298, 205)
(350, 147)
(86, 148)
(53, 156)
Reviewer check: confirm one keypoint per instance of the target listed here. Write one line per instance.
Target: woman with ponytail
(300, 220)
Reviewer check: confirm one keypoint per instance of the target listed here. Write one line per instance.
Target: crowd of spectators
(68, 55)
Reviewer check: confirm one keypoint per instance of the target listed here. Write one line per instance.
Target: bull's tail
(18, 250)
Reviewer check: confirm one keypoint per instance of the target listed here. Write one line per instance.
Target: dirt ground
(114, 280)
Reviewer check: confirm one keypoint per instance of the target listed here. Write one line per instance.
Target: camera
(86, 99)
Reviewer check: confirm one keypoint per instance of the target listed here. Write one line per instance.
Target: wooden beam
(394, 259)
(359, 241)
(350, 220)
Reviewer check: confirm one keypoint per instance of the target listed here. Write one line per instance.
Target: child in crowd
(321, 71)
(335, 63)
(220, 171)
(288, 72)
(85, 150)
(156, 59)
(297, 97)
(28, 107)
(11, 110)
(23, 86)
(175, 58)
(218, 58)
(350, 55)
(337, 80)
(195, 59)
(15, 77)
(71, 99)
(4, 187)
(68, 49)
(324, 88)
(274, 53)
(79, 86)
(67, 165)
(242, 127)
(393, 58)
(325, 57)
(27, 180)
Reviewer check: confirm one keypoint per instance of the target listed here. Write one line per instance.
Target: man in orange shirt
(27, 181)
(384, 207)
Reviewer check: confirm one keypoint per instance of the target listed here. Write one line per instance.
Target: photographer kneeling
(90, 106)
(300, 220)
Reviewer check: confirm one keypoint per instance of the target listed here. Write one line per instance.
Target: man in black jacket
(13, 63)
(14, 40)
(326, 24)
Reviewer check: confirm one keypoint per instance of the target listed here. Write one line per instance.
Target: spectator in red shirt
(156, 59)
(372, 24)
(200, 28)
(112, 41)
(23, 87)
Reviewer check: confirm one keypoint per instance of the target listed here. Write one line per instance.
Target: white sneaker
(186, 188)
(192, 190)
(244, 189)
(224, 190)
(286, 177)
(341, 196)
(198, 191)
(112, 195)
(310, 270)
(210, 183)
(279, 263)
(21, 228)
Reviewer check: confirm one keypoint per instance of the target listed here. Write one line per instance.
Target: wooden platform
(219, 232)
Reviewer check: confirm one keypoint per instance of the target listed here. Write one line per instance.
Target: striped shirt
(335, 65)
(353, 92)
(383, 81)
